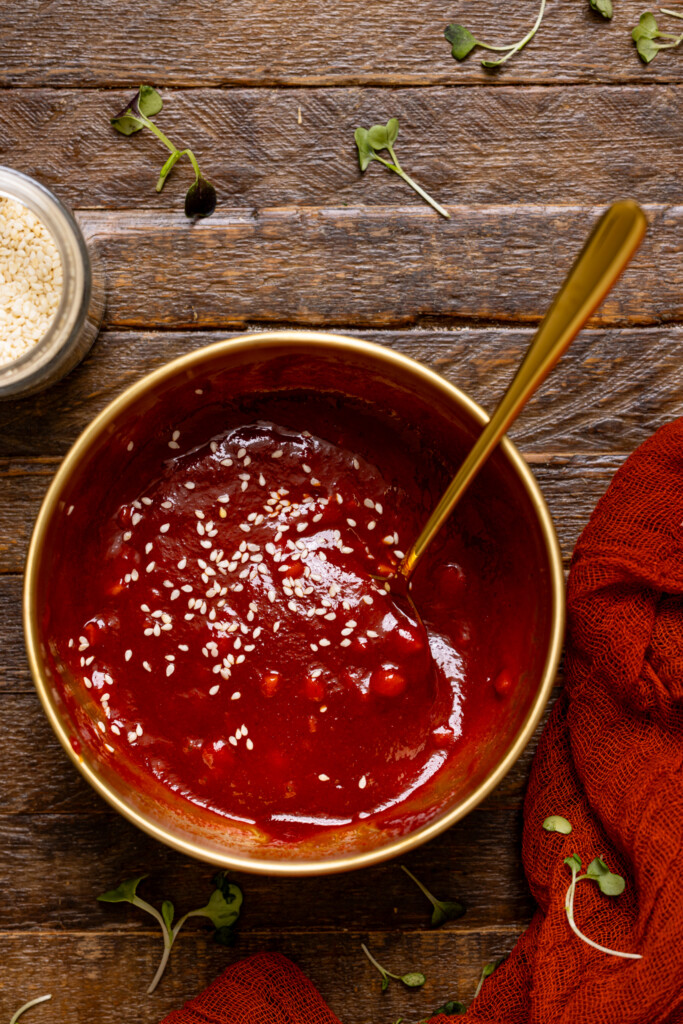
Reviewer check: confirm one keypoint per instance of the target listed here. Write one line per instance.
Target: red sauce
(236, 645)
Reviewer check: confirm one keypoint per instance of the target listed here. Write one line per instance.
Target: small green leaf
(461, 39)
(231, 892)
(149, 101)
(446, 912)
(603, 7)
(365, 154)
(489, 968)
(413, 979)
(225, 936)
(385, 983)
(556, 823)
(392, 130)
(126, 124)
(378, 137)
(220, 913)
(647, 28)
(647, 50)
(125, 893)
(200, 198)
(167, 913)
(451, 1008)
(610, 884)
(596, 868)
(573, 862)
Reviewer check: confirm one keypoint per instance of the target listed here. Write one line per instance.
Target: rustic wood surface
(268, 96)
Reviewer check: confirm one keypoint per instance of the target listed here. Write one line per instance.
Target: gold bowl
(273, 365)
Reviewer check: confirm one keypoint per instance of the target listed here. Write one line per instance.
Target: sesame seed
(224, 498)
(130, 446)
(345, 643)
(165, 528)
(236, 695)
(362, 782)
(368, 502)
(378, 508)
(175, 435)
(170, 669)
(189, 484)
(214, 690)
(173, 444)
(324, 778)
(250, 745)
(128, 655)
(278, 454)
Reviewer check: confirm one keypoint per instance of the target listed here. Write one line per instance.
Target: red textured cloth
(611, 761)
(263, 989)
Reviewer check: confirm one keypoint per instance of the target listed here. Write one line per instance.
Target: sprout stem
(569, 909)
(420, 886)
(522, 42)
(27, 1006)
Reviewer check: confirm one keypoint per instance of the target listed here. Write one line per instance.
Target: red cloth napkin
(611, 761)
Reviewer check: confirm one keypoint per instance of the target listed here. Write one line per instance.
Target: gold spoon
(608, 250)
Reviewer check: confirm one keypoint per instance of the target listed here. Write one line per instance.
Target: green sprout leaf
(609, 884)
(222, 910)
(27, 1006)
(413, 979)
(450, 1009)
(371, 141)
(647, 28)
(125, 893)
(486, 972)
(603, 7)
(573, 862)
(149, 101)
(556, 823)
(463, 42)
(461, 39)
(200, 200)
(443, 910)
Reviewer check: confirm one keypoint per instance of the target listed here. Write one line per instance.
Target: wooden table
(525, 160)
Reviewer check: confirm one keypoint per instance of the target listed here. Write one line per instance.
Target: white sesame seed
(249, 744)
(214, 690)
(170, 669)
(190, 485)
(165, 528)
(345, 643)
(324, 778)
(278, 454)
(236, 695)
(362, 782)
(128, 655)
(173, 444)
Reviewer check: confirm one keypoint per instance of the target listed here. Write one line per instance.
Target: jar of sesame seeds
(51, 288)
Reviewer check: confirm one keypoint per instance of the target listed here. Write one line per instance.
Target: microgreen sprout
(222, 910)
(603, 7)
(450, 1009)
(27, 1006)
(608, 883)
(647, 31)
(371, 141)
(443, 910)
(486, 972)
(413, 979)
(463, 42)
(556, 823)
(200, 200)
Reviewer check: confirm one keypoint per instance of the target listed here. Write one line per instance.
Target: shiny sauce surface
(236, 644)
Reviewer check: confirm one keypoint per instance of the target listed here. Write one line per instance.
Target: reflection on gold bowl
(232, 373)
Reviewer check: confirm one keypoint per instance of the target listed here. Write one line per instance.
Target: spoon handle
(609, 248)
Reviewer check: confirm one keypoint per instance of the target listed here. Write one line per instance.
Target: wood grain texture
(249, 143)
(237, 42)
(571, 484)
(475, 862)
(612, 389)
(72, 965)
(372, 266)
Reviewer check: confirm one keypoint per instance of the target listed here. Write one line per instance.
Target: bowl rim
(49, 505)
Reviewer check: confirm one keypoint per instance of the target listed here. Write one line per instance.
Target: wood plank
(190, 43)
(611, 391)
(476, 862)
(506, 157)
(572, 485)
(371, 266)
(38, 778)
(102, 977)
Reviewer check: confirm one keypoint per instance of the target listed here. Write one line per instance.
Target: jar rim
(74, 300)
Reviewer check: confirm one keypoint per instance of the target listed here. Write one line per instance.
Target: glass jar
(81, 305)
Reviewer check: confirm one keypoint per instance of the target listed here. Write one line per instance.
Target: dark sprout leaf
(451, 1008)
(603, 7)
(167, 912)
(365, 154)
(491, 63)
(573, 862)
(378, 137)
(200, 199)
(446, 912)
(385, 983)
(647, 28)
(392, 130)
(489, 968)
(220, 913)
(225, 936)
(647, 50)
(413, 979)
(231, 892)
(461, 39)
(556, 823)
(125, 893)
(149, 101)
